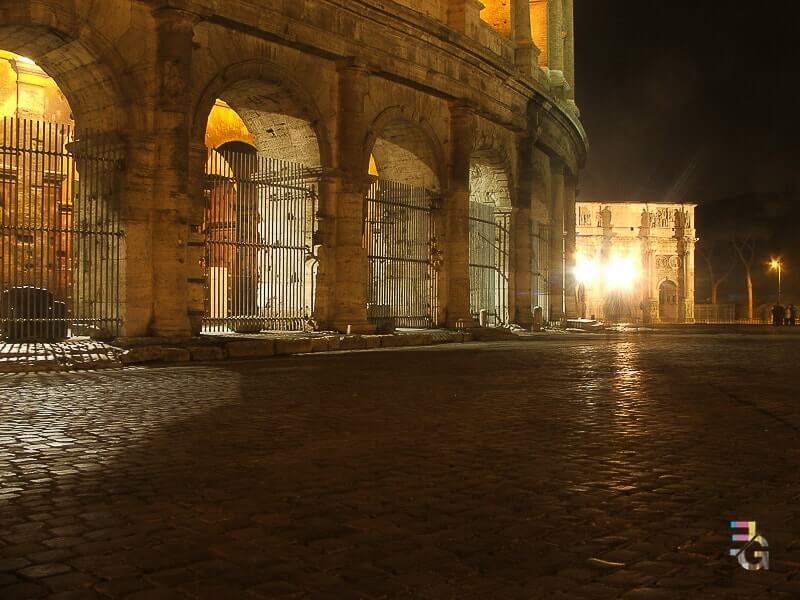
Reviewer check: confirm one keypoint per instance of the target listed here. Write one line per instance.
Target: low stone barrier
(149, 350)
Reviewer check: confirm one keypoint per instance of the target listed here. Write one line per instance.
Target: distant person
(777, 315)
(787, 315)
(793, 315)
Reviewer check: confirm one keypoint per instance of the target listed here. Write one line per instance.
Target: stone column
(343, 221)
(540, 210)
(569, 47)
(557, 241)
(196, 247)
(523, 238)
(647, 299)
(685, 246)
(136, 207)
(555, 35)
(462, 139)
(690, 243)
(522, 270)
(171, 201)
(526, 53)
(570, 247)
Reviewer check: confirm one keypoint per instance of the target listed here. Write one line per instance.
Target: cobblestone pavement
(568, 468)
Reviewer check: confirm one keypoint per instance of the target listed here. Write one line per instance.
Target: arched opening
(60, 234)
(489, 240)
(262, 178)
(400, 229)
(539, 29)
(668, 301)
(497, 13)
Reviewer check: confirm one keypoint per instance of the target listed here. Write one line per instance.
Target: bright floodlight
(621, 273)
(586, 270)
(775, 263)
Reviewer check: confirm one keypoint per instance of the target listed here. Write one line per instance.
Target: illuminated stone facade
(635, 261)
(453, 95)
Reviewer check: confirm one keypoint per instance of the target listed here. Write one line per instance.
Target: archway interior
(55, 280)
(399, 229)
(402, 153)
(489, 240)
(261, 202)
(497, 14)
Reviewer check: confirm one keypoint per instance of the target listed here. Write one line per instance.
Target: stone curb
(142, 351)
(155, 350)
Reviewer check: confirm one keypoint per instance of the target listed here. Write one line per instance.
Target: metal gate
(488, 262)
(260, 265)
(541, 269)
(401, 245)
(60, 233)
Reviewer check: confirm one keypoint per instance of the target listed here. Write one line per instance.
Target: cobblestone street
(575, 467)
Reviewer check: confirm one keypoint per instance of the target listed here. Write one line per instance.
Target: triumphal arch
(635, 261)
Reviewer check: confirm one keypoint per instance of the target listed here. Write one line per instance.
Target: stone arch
(404, 149)
(82, 272)
(278, 111)
(78, 58)
(277, 153)
(401, 220)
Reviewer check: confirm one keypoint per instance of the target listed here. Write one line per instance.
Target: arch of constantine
(177, 166)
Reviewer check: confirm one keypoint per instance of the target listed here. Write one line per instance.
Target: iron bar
(260, 221)
(489, 255)
(400, 237)
(59, 233)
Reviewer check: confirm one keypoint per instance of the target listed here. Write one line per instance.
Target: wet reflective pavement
(584, 467)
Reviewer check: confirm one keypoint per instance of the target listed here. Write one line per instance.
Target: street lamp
(776, 265)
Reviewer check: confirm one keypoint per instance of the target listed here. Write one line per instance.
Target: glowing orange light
(621, 273)
(586, 270)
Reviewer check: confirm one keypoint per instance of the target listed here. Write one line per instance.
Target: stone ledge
(85, 355)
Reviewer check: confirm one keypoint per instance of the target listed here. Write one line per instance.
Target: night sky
(695, 101)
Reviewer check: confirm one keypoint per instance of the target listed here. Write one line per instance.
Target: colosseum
(177, 166)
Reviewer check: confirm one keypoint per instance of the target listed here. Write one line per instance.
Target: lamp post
(775, 265)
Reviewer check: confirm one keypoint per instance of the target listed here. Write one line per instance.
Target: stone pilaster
(523, 235)
(557, 243)
(540, 218)
(570, 248)
(137, 265)
(347, 279)
(171, 205)
(555, 36)
(569, 47)
(690, 243)
(646, 297)
(462, 137)
(523, 267)
(195, 251)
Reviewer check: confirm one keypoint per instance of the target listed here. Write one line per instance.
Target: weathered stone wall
(424, 87)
